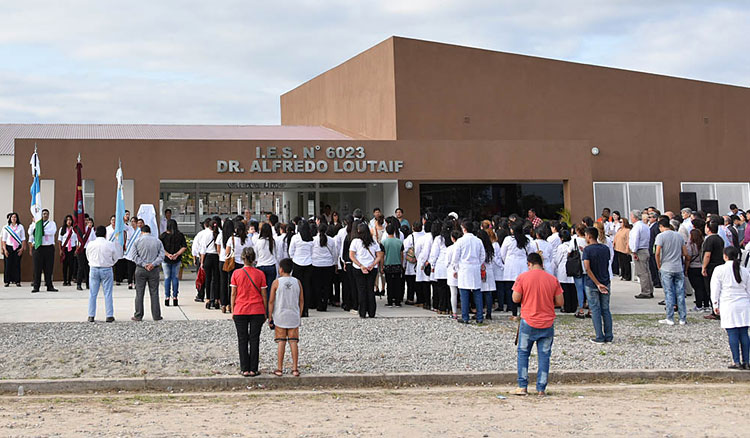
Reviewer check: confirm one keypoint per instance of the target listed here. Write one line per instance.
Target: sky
(227, 62)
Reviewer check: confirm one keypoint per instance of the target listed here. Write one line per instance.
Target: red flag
(79, 219)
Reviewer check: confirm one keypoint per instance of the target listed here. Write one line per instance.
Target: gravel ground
(198, 348)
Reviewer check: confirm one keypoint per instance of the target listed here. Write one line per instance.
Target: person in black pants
(249, 305)
(68, 245)
(366, 256)
(13, 244)
(43, 256)
(349, 297)
(210, 263)
(82, 276)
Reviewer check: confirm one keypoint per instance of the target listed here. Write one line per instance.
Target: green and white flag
(36, 201)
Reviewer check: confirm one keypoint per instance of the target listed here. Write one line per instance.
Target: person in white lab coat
(514, 250)
(730, 295)
(560, 259)
(469, 257)
(543, 247)
(452, 280)
(422, 252)
(410, 268)
(488, 277)
(439, 263)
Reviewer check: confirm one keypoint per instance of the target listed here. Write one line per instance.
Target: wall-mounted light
(595, 151)
(409, 185)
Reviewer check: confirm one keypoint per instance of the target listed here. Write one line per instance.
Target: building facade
(420, 125)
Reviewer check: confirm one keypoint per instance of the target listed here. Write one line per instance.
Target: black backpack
(574, 266)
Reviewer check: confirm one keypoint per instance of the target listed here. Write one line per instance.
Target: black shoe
(166, 302)
(644, 297)
(18, 284)
(344, 307)
(488, 317)
(91, 319)
(209, 304)
(7, 284)
(79, 287)
(110, 319)
(174, 302)
(662, 303)
(118, 283)
(52, 289)
(198, 300)
(217, 305)
(158, 319)
(33, 291)
(735, 366)
(133, 318)
(130, 286)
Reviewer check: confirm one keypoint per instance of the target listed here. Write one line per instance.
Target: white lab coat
(514, 258)
(438, 260)
(468, 257)
(547, 254)
(450, 267)
(497, 263)
(422, 251)
(733, 299)
(555, 241)
(560, 259)
(410, 242)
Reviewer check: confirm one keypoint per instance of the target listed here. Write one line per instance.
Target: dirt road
(684, 410)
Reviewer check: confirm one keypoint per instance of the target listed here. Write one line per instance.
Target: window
(626, 196)
(88, 196)
(128, 192)
(725, 193)
(47, 186)
(482, 201)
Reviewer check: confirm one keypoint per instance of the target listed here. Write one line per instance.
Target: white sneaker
(683, 322)
(666, 321)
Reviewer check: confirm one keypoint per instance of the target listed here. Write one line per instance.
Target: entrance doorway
(191, 202)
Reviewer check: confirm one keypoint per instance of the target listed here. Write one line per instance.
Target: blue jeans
(600, 314)
(580, 283)
(738, 338)
(527, 335)
(171, 279)
(674, 290)
(487, 300)
(477, 294)
(103, 277)
(270, 273)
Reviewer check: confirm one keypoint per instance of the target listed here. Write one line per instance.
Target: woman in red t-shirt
(249, 304)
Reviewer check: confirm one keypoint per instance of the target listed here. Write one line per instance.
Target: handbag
(200, 279)
(411, 256)
(573, 265)
(229, 263)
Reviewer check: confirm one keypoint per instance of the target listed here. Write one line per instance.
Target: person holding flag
(82, 230)
(119, 233)
(13, 245)
(42, 233)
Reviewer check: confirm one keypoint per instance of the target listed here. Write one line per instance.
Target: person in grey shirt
(669, 255)
(148, 257)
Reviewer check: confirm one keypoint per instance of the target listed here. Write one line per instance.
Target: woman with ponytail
(730, 295)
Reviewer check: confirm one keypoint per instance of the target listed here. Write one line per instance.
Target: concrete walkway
(20, 305)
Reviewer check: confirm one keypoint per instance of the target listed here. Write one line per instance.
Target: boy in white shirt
(285, 308)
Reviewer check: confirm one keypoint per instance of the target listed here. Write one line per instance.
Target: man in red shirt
(539, 293)
(533, 218)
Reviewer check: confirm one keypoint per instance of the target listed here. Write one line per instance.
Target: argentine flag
(36, 201)
(119, 233)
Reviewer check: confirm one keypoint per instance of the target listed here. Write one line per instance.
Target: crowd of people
(465, 269)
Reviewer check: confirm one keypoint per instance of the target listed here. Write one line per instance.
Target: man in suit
(653, 231)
